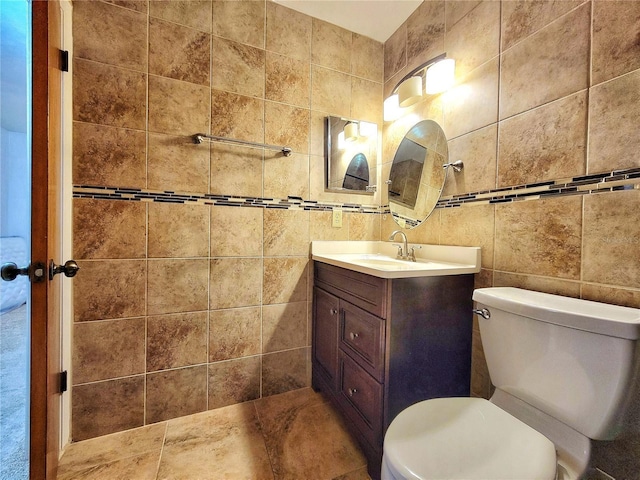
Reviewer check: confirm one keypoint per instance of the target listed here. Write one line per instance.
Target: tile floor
(295, 435)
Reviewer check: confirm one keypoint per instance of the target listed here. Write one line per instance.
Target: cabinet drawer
(362, 335)
(365, 291)
(361, 397)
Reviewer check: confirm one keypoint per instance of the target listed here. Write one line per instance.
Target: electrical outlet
(336, 218)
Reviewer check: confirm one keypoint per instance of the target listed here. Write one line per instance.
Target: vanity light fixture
(392, 108)
(355, 130)
(351, 132)
(439, 76)
(367, 129)
(410, 91)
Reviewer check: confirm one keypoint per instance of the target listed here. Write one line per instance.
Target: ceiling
(376, 19)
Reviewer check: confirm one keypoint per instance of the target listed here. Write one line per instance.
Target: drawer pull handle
(353, 336)
(352, 391)
(334, 311)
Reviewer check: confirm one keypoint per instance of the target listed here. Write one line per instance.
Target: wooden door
(45, 238)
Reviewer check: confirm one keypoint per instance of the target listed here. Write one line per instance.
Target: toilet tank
(575, 360)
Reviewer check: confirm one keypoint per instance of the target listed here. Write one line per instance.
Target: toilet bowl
(564, 371)
(466, 438)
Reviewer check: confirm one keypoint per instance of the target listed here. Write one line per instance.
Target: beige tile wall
(544, 91)
(182, 308)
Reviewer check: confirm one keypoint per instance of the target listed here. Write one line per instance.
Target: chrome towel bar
(200, 137)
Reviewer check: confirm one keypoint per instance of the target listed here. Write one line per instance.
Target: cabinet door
(326, 310)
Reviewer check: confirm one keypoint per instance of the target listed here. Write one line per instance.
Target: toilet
(565, 373)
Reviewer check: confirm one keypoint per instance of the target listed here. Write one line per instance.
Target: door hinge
(64, 60)
(63, 381)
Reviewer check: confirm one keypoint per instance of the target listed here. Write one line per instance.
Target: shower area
(15, 172)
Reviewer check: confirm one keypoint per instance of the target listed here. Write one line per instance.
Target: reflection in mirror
(357, 176)
(417, 175)
(351, 159)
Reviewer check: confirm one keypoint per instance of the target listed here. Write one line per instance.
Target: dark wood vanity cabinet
(326, 308)
(380, 345)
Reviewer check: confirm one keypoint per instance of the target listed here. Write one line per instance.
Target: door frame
(45, 158)
(66, 211)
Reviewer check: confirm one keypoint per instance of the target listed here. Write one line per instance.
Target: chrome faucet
(403, 253)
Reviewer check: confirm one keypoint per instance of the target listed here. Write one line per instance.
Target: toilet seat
(465, 439)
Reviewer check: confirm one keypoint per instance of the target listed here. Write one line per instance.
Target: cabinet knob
(352, 391)
(353, 336)
(334, 311)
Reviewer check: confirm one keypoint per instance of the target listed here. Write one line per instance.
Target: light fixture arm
(420, 68)
(433, 76)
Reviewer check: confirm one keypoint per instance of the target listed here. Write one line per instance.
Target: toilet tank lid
(602, 318)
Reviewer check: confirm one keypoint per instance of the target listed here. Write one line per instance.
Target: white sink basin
(379, 258)
(387, 263)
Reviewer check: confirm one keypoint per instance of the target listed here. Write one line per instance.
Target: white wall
(15, 181)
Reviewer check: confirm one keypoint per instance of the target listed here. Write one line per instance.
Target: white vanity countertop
(379, 258)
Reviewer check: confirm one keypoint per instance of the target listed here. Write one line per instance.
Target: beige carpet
(14, 408)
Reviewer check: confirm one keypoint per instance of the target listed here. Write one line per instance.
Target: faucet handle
(412, 253)
(399, 253)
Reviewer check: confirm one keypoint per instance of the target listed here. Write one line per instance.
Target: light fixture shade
(368, 129)
(391, 108)
(440, 76)
(410, 91)
(351, 132)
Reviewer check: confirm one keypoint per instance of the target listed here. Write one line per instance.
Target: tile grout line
(263, 437)
(164, 439)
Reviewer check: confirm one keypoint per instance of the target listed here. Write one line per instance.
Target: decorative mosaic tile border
(408, 222)
(582, 185)
(166, 196)
(628, 179)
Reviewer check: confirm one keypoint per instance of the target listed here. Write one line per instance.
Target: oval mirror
(417, 174)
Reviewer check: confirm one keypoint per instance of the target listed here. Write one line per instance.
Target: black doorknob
(70, 268)
(10, 271)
